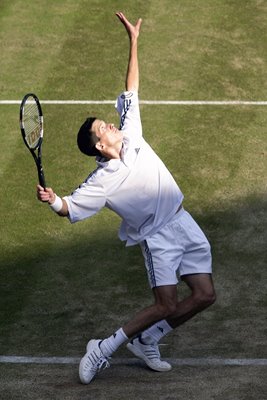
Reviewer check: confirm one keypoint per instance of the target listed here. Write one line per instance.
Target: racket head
(31, 121)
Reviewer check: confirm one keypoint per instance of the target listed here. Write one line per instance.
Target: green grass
(61, 283)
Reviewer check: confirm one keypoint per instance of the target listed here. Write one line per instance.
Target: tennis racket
(32, 129)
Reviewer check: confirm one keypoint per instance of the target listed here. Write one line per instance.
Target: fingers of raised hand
(127, 23)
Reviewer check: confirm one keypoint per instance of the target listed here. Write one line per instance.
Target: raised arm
(132, 76)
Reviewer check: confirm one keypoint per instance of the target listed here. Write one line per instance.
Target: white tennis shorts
(179, 248)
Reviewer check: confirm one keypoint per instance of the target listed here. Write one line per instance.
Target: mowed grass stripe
(32, 37)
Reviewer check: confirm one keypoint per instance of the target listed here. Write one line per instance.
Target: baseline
(205, 361)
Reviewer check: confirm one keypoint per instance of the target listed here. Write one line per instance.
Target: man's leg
(169, 308)
(164, 306)
(202, 296)
(98, 351)
(165, 303)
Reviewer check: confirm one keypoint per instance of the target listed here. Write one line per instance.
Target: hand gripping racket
(31, 125)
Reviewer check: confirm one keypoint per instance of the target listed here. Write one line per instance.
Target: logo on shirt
(126, 96)
(126, 106)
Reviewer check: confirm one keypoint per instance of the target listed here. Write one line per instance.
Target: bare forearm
(132, 76)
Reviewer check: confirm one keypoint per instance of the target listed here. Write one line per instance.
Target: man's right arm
(56, 203)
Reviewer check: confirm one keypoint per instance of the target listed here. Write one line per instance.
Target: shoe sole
(133, 349)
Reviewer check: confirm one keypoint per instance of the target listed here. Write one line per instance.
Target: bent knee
(205, 299)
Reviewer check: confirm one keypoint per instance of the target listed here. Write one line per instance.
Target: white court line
(192, 362)
(151, 102)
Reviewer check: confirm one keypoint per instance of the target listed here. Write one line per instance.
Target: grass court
(62, 284)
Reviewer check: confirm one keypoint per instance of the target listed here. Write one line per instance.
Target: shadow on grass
(71, 290)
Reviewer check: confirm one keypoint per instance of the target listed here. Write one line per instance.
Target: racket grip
(41, 178)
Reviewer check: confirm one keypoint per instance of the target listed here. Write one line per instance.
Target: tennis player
(131, 180)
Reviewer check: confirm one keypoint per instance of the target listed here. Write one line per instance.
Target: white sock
(153, 334)
(110, 345)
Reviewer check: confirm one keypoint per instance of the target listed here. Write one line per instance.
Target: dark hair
(87, 139)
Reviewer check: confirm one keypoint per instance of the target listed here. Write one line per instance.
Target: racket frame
(38, 146)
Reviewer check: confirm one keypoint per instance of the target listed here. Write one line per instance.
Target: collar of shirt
(114, 164)
(109, 165)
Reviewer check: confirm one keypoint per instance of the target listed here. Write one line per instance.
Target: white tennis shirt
(138, 187)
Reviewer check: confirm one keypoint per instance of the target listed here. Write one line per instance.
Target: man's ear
(99, 146)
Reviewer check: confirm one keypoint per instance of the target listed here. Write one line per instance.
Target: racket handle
(41, 178)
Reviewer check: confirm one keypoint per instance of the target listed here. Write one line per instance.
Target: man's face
(109, 135)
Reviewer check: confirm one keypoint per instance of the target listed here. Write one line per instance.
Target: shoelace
(103, 364)
(96, 363)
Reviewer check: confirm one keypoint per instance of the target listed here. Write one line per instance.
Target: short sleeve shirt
(138, 186)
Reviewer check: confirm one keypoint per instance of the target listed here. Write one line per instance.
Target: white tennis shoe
(93, 362)
(150, 354)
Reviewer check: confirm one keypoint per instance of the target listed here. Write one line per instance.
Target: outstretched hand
(132, 30)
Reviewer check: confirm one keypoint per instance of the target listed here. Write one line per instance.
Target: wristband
(57, 205)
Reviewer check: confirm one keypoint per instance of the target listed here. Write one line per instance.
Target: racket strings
(32, 122)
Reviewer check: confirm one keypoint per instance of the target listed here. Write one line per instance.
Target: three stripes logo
(126, 105)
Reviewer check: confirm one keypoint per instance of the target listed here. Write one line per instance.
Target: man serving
(131, 180)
